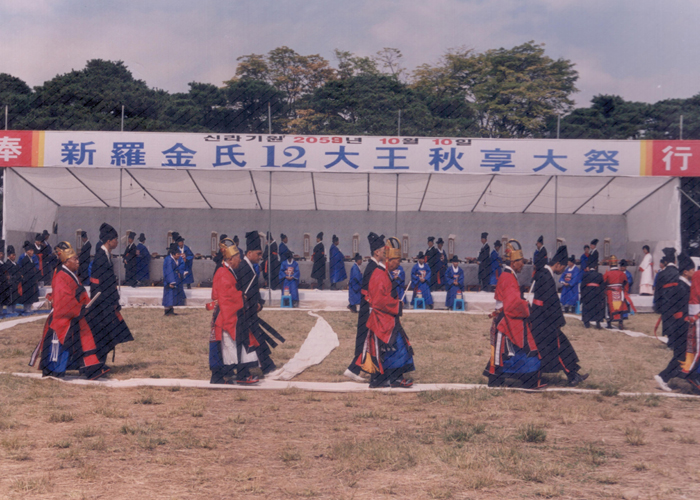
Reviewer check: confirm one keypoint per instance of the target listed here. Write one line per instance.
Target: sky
(642, 50)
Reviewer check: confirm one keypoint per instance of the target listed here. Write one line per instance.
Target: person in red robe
(68, 342)
(388, 349)
(230, 349)
(616, 292)
(514, 353)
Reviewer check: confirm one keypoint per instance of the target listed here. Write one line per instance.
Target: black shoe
(586, 325)
(295, 303)
(576, 379)
(598, 326)
(429, 306)
(621, 327)
(402, 383)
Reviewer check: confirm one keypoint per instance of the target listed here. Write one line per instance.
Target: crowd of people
(526, 338)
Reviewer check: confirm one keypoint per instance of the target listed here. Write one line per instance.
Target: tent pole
(269, 245)
(396, 209)
(556, 197)
(119, 252)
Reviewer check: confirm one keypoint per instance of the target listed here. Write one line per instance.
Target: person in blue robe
(289, 278)
(496, 262)
(173, 292)
(398, 277)
(454, 282)
(585, 258)
(143, 262)
(337, 264)
(355, 283)
(570, 281)
(187, 258)
(420, 277)
(283, 245)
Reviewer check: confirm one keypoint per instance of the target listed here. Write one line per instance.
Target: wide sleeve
(65, 305)
(380, 294)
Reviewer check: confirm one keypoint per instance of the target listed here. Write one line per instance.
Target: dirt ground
(64, 441)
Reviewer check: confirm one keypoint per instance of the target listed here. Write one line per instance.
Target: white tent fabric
(206, 189)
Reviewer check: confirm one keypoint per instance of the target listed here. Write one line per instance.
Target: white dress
(646, 284)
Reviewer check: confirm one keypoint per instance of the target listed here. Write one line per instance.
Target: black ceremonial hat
(685, 263)
(572, 259)
(252, 241)
(431, 238)
(420, 255)
(83, 234)
(107, 232)
(454, 259)
(320, 235)
(594, 241)
(142, 237)
(440, 240)
(623, 263)
(45, 233)
(288, 255)
(223, 237)
(540, 239)
(357, 257)
(175, 235)
(561, 256)
(484, 235)
(27, 245)
(131, 235)
(375, 241)
(39, 237)
(497, 244)
(10, 250)
(173, 248)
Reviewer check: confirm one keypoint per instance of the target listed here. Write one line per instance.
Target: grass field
(64, 441)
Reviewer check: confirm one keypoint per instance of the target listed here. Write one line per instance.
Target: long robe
(283, 250)
(227, 351)
(104, 317)
(318, 271)
(616, 292)
(674, 313)
(387, 342)
(271, 266)
(454, 283)
(421, 289)
(143, 263)
(29, 281)
(592, 297)
(363, 315)
(398, 277)
(173, 292)
(432, 259)
(130, 264)
(84, 263)
(355, 285)
(11, 271)
(68, 342)
(664, 279)
(570, 280)
(691, 365)
(250, 334)
(513, 348)
(583, 262)
(484, 259)
(289, 276)
(547, 320)
(188, 260)
(441, 267)
(496, 262)
(646, 268)
(337, 265)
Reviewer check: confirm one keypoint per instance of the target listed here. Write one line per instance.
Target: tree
(295, 75)
(17, 96)
(247, 106)
(350, 65)
(608, 117)
(514, 91)
(92, 99)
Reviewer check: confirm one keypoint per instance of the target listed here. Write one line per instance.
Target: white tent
(416, 196)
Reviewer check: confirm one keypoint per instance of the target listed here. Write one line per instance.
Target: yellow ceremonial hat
(393, 248)
(228, 248)
(514, 251)
(65, 251)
